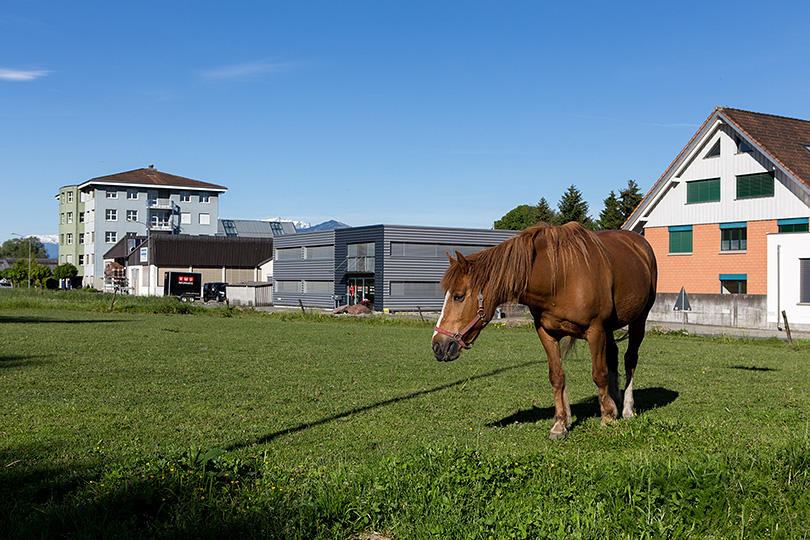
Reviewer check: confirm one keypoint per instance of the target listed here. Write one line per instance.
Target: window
(204, 197)
(750, 186)
(132, 194)
(703, 191)
(111, 194)
(733, 236)
(185, 218)
(288, 286)
(81, 217)
(792, 225)
(680, 239)
(319, 287)
(276, 228)
(319, 252)
(81, 260)
(360, 257)
(804, 281)
(742, 147)
(132, 215)
(288, 254)
(61, 238)
(69, 239)
(69, 217)
(715, 150)
(230, 227)
(185, 196)
(70, 196)
(69, 258)
(111, 237)
(733, 283)
(416, 289)
(205, 219)
(81, 239)
(414, 250)
(111, 214)
(62, 218)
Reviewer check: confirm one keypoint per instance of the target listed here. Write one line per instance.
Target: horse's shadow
(645, 399)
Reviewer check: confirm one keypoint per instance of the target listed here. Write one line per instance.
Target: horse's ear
(462, 262)
(450, 258)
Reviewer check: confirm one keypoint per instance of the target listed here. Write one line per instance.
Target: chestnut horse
(576, 283)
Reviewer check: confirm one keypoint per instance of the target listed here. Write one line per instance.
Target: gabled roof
(151, 177)
(783, 140)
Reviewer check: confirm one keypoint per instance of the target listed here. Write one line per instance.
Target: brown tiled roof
(152, 176)
(783, 139)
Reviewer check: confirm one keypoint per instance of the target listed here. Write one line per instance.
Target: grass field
(226, 424)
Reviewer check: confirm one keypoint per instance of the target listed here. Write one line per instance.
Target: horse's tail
(567, 344)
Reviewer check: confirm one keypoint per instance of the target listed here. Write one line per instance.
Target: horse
(576, 283)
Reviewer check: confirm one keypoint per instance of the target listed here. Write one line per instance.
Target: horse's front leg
(562, 408)
(607, 380)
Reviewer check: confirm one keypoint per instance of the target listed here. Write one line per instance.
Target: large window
(319, 287)
(733, 236)
(112, 194)
(793, 225)
(288, 254)
(205, 219)
(416, 289)
(733, 283)
(360, 257)
(288, 287)
(319, 252)
(680, 239)
(750, 186)
(132, 215)
(416, 251)
(111, 214)
(804, 281)
(110, 237)
(703, 191)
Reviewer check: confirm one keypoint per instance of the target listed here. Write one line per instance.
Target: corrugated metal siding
(387, 268)
(300, 269)
(409, 269)
(210, 251)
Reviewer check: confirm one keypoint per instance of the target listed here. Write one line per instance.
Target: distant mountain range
(330, 225)
(51, 243)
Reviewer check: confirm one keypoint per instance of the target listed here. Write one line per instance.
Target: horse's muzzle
(445, 349)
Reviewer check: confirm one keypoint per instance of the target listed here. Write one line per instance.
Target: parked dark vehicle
(214, 290)
(187, 286)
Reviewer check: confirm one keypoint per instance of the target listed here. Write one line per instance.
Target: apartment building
(96, 214)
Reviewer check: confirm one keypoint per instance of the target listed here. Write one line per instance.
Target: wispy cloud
(20, 75)
(244, 71)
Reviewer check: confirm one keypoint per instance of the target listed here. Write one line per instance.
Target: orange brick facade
(699, 271)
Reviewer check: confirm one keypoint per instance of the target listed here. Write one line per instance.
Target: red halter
(479, 316)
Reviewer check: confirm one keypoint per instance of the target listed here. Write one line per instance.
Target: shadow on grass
(753, 368)
(645, 398)
(300, 427)
(26, 320)
(23, 361)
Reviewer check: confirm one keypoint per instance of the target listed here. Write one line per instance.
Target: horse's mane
(502, 272)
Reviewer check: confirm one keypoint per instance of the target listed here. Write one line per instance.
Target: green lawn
(219, 424)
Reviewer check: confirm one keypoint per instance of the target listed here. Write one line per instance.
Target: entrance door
(361, 291)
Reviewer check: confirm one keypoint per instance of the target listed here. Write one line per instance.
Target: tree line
(572, 207)
(27, 269)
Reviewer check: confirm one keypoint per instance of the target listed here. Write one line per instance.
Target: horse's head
(463, 314)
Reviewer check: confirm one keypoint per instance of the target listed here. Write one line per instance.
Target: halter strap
(458, 336)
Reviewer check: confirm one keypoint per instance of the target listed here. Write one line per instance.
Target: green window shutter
(755, 185)
(703, 191)
(680, 239)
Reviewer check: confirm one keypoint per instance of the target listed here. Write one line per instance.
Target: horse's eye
(458, 297)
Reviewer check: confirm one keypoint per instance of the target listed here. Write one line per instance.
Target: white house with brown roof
(95, 215)
(738, 189)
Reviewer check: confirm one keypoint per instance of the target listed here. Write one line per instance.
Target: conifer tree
(572, 207)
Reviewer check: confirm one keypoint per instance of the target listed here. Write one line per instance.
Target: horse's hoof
(558, 435)
(628, 413)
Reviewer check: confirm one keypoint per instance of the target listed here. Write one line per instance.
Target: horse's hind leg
(602, 375)
(562, 408)
(612, 362)
(636, 336)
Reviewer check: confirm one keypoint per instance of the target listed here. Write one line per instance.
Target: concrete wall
(725, 310)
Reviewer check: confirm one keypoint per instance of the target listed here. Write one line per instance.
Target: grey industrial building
(392, 267)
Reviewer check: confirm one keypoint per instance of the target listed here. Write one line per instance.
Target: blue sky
(417, 113)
